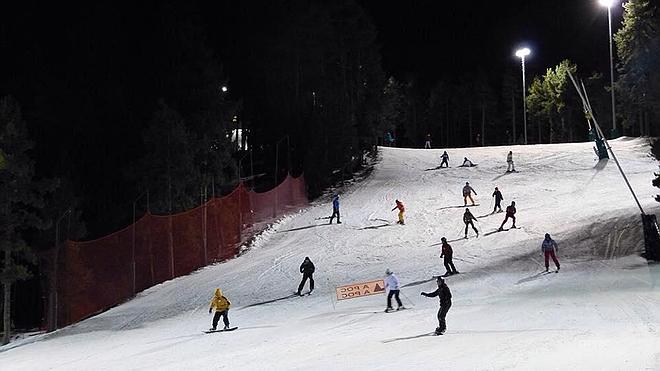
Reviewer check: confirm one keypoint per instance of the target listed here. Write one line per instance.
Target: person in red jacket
(510, 213)
(447, 253)
(402, 209)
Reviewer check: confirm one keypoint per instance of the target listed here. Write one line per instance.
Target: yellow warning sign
(357, 290)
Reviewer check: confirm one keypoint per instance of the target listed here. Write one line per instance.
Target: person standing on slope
(509, 161)
(510, 213)
(307, 269)
(427, 144)
(445, 159)
(392, 285)
(402, 209)
(335, 209)
(447, 253)
(444, 294)
(221, 306)
(467, 193)
(468, 220)
(498, 198)
(549, 248)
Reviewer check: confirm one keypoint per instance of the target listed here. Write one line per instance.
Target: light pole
(522, 53)
(52, 323)
(608, 4)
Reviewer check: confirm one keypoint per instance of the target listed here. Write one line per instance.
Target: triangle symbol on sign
(378, 288)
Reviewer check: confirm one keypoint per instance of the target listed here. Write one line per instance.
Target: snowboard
(221, 330)
(393, 310)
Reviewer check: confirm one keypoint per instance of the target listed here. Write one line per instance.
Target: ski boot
(388, 309)
(400, 307)
(439, 331)
(212, 329)
(226, 328)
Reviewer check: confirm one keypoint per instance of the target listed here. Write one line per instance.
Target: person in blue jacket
(335, 209)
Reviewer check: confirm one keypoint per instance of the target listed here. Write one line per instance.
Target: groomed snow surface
(600, 312)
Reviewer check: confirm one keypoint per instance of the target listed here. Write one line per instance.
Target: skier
(510, 213)
(389, 139)
(445, 159)
(467, 219)
(307, 269)
(448, 253)
(335, 209)
(392, 284)
(221, 306)
(467, 193)
(467, 163)
(427, 144)
(444, 294)
(498, 198)
(402, 209)
(509, 160)
(549, 248)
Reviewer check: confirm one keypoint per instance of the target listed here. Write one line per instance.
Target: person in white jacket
(392, 285)
(509, 161)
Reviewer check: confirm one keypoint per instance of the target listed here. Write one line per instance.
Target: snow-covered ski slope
(601, 311)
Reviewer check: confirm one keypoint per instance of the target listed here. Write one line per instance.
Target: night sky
(432, 39)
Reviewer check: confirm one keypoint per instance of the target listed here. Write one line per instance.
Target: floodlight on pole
(608, 4)
(522, 53)
(224, 88)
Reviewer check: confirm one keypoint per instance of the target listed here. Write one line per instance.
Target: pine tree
(638, 48)
(20, 202)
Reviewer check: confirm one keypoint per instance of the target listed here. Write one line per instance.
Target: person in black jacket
(307, 270)
(444, 294)
(498, 199)
(447, 253)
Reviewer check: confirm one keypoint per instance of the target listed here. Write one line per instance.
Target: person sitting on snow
(467, 163)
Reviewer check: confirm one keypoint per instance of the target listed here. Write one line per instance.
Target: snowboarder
(498, 198)
(467, 163)
(335, 209)
(307, 269)
(447, 253)
(509, 161)
(445, 159)
(549, 248)
(392, 285)
(444, 294)
(427, 144)
(467, 193)
(221, 306)
(402, 209)
(468, 220)
(510, 213)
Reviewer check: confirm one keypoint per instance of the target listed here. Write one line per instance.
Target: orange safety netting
(96, 275)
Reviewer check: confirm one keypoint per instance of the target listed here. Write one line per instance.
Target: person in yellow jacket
(221, 306)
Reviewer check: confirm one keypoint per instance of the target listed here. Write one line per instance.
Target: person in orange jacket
(221, 306)
(402, 209)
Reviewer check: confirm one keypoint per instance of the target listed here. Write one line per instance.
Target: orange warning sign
(357, 290)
